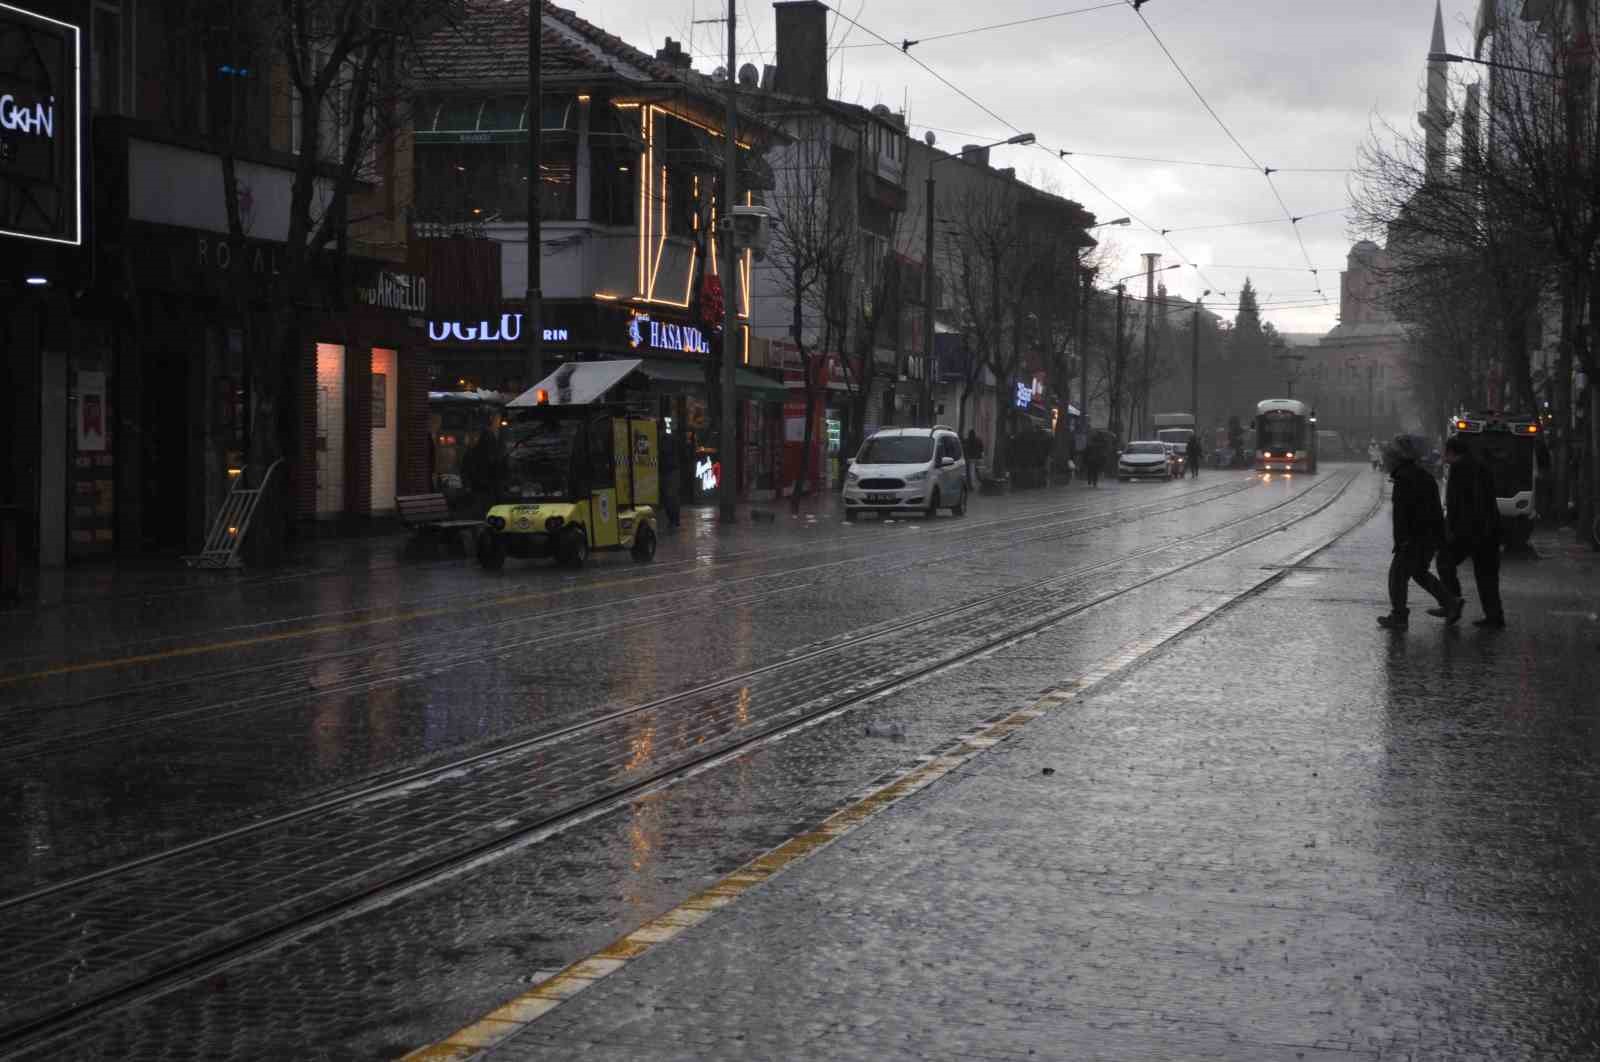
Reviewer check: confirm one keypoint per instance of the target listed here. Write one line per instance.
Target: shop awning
(586, 382)
(692, 373)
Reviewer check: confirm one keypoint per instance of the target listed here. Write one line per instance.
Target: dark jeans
(1411, 562)
(1485, 572)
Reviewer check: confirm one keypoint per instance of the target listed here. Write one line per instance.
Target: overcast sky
(1298, 82)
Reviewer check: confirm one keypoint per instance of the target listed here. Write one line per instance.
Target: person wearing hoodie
(1472, 530)
(1418, 533)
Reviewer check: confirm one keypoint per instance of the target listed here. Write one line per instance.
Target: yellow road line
(507, 1020)
(300, 632)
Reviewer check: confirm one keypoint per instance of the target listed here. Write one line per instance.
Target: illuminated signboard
(1027, 392)
(41, 147)
(508, 329)
(662, 335)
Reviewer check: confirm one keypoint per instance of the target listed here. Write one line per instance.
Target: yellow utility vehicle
(580, 474)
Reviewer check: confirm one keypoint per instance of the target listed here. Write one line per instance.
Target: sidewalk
(1287, 835)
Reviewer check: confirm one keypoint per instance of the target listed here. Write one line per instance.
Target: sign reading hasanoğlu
(41, 148)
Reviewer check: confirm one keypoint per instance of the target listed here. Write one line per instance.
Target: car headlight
(851, 476)
(917, 477)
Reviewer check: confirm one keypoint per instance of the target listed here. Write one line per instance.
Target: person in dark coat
(670, 478)
(1193, 456)
(1092, 460)
(1472, 529)
(1418, 532)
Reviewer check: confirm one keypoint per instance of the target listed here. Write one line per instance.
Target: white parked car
(1144, 460)
(908, 470)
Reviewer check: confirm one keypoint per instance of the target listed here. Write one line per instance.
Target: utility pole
(728, 489)
(1083, 353)
(1114, 418)
(927, 297)
(533, 297)
(1194, 367)
(1149, 326)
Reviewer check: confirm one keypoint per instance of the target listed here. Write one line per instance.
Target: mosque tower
(1437, 118)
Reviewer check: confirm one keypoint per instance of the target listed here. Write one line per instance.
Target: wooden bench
(429, 514)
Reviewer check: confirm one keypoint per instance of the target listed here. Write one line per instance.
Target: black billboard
(41, 147)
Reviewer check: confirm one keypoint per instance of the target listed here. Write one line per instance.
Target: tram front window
(539, 459)
(1280, 433)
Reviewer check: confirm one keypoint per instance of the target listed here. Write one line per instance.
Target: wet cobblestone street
(1247, 825)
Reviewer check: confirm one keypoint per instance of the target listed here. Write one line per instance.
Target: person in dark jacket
(1472, 529)
(1418, 532)
(1192, 456)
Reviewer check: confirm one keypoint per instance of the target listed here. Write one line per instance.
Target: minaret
(1437, 118)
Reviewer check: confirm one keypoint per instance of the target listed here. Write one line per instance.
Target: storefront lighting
(36, 281)
(233, 472)
(607, 296)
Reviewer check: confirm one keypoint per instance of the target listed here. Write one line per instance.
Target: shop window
(613, 166)
(108, 72)
(486, 182)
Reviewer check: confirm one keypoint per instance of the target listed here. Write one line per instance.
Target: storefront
(42, 267)
(488, 351)
(366, 433)
(830, 416)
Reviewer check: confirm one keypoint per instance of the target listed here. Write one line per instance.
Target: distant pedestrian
(972, 447)
(670, 478)
(1418, 532)
(1375, 453)
(1092, 460)
(1193, 456)
(1472, 530)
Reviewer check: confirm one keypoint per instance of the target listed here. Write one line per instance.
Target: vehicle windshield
(539, 459)
(1147, 448)
(1280, 431)
(896, 450)
(1510, 459)
(1175, 436)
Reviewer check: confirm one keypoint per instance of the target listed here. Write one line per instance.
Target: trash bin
(10, 586)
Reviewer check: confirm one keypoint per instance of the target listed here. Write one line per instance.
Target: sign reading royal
(507, 329)
(41, 141)
(663, 335)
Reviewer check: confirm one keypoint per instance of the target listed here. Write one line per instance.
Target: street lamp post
(732, 457)
(1194, 366)
(533, 297)
(927, 264)
(1450, 57)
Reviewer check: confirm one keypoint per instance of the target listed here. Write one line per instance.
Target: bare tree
(1508, 212)
(339, 77)
(983, 250)
(811, 252)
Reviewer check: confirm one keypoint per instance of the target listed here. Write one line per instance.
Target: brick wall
(415, 372)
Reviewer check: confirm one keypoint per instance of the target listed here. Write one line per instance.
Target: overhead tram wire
(1056, 153)
(1266, 171)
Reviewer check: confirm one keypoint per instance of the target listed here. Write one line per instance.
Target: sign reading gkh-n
(41, 142)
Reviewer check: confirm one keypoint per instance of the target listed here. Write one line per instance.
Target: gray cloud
(1298, 82)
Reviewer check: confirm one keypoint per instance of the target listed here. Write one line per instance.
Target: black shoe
(1450, 613)
(1394, 621)
(1496, 622)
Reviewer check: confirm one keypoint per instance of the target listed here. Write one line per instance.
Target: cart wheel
(575, 548)
(644, 546)
(491, 551)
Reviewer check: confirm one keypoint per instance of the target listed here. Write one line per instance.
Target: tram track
(975, 634)
(430, 655)
(342, 620)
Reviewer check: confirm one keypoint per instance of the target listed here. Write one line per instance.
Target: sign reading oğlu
(506, 330)
(41, 150)
(663, 335)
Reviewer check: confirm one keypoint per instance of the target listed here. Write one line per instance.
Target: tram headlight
(553, 524)
(496, 522)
